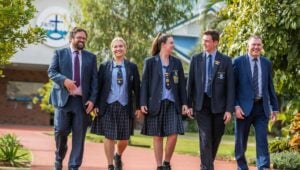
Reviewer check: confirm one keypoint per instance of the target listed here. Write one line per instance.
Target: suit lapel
(109, 70)
(217, 62)
(202, 64)
(263, 71)
(128, 71)
(158, 65)
(83, 64)
(248, 68)
(171, 67)
(69, 64)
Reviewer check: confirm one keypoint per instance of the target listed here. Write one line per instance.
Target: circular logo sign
(56, 21)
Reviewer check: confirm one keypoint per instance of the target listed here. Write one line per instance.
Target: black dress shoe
(166, 165)
(118, 162)
(160, 168)
(57, 165)
(111, 167)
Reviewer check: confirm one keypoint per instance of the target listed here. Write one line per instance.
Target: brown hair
(156, 44)
(215, 35)
(76, 30)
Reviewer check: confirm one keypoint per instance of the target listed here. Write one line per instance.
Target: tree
(134, 20)
(278, 23)
(15, 33)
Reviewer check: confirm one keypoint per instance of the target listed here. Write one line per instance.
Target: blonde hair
(118, 39)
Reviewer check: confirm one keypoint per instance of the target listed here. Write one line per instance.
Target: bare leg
(170, 146)
(158, 149)
(121, 146)
(109, 148)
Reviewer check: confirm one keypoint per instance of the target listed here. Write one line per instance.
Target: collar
(115, 64)
(73, 50)
(214, 53)
(252, 58)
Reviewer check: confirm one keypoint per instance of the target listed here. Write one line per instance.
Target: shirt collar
(115, 64)
(73, 50)
(213, 53)
(252, 58)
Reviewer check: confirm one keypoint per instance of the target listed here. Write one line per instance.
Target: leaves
(14, 16)
(278, 24)
(136, 21)
(9, 150)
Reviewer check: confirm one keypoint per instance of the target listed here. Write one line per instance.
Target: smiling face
(78, 41)
(168, 46)
(118, 48)
(255, 47)
(209, 44)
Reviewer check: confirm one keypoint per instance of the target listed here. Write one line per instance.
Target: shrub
(279, 145)
(10, 151)
(295, 132)
(286, 160)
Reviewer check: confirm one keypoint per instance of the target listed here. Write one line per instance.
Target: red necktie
(76, 74)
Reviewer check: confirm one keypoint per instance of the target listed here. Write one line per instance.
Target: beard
(80, 45)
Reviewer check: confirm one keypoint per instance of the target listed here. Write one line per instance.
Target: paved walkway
(42, 147)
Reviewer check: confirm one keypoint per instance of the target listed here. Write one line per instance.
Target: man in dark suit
(255, 100)
(74, 75)
(210, 96)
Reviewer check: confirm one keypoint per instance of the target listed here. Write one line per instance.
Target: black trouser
(211, 129)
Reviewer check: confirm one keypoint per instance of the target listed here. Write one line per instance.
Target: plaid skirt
(114, 124)
(166, 123)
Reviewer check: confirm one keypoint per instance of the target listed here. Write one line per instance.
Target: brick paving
(42, 147)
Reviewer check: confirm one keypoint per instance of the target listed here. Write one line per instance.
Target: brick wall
(16, 112)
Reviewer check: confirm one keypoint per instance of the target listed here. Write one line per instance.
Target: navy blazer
(222, 83)
(61, 68)
(244, 87)
(152, 84)
(104, 85)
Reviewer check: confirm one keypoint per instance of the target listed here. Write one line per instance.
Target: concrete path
(42, 147)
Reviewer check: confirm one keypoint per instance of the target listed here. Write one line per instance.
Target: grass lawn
(188, 144)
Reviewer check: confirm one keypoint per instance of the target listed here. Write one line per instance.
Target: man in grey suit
(210, 96)
(74, 75)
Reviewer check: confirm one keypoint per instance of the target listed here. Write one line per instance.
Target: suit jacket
(244, 87)
(104, 85)
(61, 68)
(222, 83)
(152, 84)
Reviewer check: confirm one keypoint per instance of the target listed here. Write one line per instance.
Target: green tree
(15, 33)
(278, 23)
(134, 20)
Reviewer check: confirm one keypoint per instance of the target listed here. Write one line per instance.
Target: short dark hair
(76, 30)
(215, 35)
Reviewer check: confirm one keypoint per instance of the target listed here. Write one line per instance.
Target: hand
(227, 117)
(89, 106)
(70, 85)
(273, 116)
(190, 113)
(138, 114)
(239, 113)
(144, 109)
(96, 111)
(184, 109)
